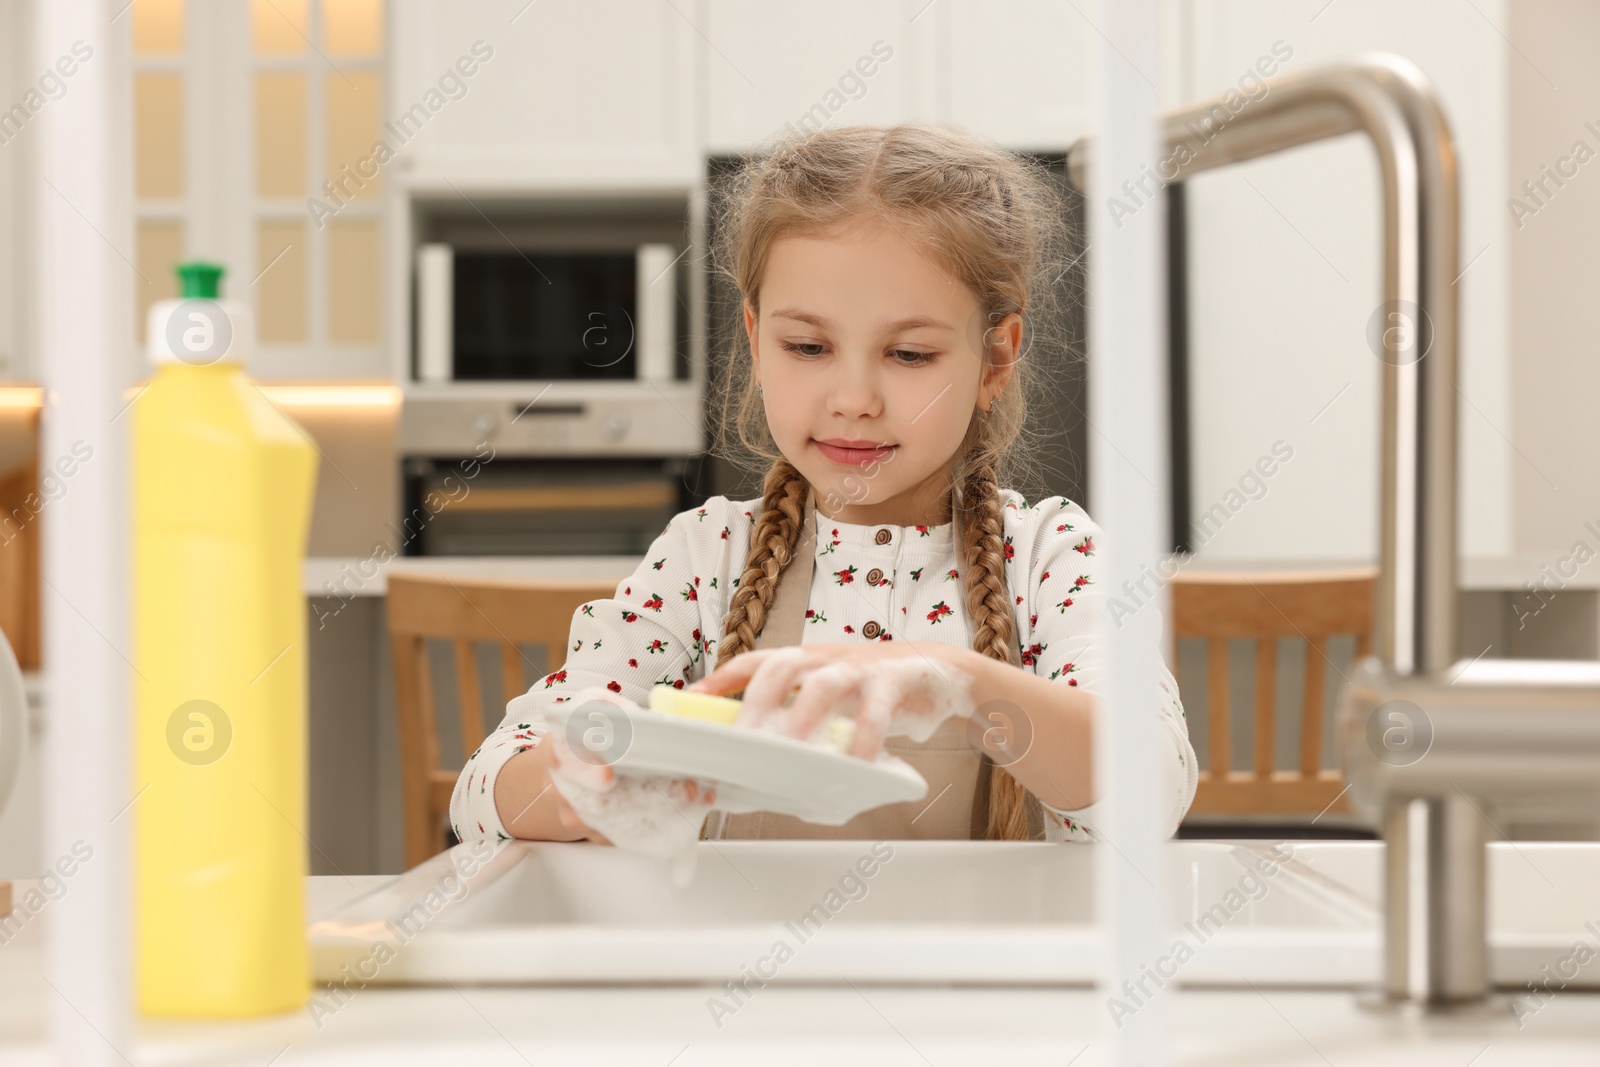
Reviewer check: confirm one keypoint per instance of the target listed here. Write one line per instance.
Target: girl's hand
(586, 782)
(897, 688)
(548, 756)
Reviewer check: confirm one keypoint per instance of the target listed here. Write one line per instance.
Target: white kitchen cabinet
(575, 94)
(769, 64)
(1011, 70)
(1015, 71)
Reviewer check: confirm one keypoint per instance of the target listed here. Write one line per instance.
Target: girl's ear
(1004, 346)
(750, 330)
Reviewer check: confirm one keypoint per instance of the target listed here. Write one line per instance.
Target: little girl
(884, 274)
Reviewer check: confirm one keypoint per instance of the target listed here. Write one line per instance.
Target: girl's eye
(811, 349)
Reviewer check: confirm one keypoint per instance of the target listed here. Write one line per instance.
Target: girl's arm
(647, 634)
(1055, 725)
(530, 807)
(1071, 617)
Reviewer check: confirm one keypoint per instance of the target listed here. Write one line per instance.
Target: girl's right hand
(568, 823)
(529, 804)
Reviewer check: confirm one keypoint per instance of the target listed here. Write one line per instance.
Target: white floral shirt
(870, 583)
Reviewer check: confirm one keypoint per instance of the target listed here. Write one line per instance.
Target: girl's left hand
(903, 687)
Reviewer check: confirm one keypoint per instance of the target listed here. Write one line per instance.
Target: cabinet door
(574, 93)
(770, 64)
(1015, 71)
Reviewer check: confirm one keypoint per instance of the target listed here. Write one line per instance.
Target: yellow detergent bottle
(221, 494)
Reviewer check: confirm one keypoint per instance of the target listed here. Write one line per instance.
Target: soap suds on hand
(651, 816)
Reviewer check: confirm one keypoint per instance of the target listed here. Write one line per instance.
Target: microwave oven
(505, 314)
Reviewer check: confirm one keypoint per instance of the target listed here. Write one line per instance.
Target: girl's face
(864, 341)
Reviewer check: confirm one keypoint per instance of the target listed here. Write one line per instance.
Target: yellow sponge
(671, 701)
(838, 731)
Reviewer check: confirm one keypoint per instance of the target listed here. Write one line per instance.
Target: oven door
(542, 507)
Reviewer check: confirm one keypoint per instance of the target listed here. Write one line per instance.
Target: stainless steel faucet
(1435, 750)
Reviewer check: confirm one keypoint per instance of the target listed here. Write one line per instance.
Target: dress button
(874, 576)
(884, 537)
(871, 630)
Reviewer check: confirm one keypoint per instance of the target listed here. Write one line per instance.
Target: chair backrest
(510, 614)
(1312, 606)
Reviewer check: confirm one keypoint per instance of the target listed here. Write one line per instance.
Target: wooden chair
(1265, 608)
(510, 614)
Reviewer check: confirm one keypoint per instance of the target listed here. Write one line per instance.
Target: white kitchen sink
(930, 912)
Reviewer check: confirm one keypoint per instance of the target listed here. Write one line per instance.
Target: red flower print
(846, 576)
(940, 610)
(657, 564)
(1032, 619)
(1080, 581)
(952, 576)
(922, 531)
(657, 645)
(654, 603)
(1064, 605)
(628, 616)
(1065, 527)
(701, 514)
(725, 532)
(614, 686)
(1045, 576)
(1086, 546)
(849, 629)
(1066, 668)
(628, 591)
(916, 575)
(1031, 654)
(1010, 551)
(555, 676)
(677, 683)
(633, 663)
(1019, 600)
(688, 592)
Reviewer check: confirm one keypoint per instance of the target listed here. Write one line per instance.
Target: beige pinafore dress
(956, 804)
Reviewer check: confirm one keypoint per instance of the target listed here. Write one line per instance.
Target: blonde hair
(997, 222)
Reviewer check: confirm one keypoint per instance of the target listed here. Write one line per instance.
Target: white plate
(754, 770)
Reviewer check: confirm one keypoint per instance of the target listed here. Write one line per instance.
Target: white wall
(1286, 269)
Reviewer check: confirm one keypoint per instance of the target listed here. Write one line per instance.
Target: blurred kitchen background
(478, 256)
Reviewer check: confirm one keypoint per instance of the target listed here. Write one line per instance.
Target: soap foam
(651, 816)
(911, 695)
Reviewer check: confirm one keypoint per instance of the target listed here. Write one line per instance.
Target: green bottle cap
(199, 279)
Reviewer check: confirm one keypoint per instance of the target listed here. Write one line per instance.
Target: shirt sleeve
(645, 635)
(1068, 611)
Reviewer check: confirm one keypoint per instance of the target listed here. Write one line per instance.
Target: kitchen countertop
(881, 1025)
(350, 576)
